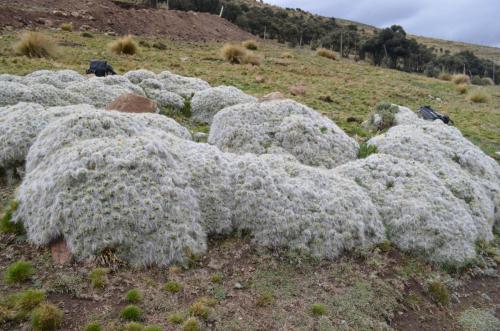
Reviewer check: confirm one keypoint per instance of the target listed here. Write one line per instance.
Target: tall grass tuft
(67, 27)
(233, 53)
(323, 52)
(479, 97)
(251, 45)
(445, 76)
(125, 45)
(35, 45)
(461, 79)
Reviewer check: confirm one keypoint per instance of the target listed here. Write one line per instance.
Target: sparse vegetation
(191, 324)
(323, 52)
(479, 96)
(251, 58)
(461, 79)
(366, 150)
(439, 293)
(46, 317)
(153, 328)
(18, 272)
(251, 45)
(68, 27)
(131, 313)
(318, 309)
(462, 89)
(172, 286)
(176, 318)
(35, 45)
(93, 326)
(286, 55)
(98, 278)
(234, 54)
(265, 298)
(133, 326)
(125, 45)
(6, 224)
(133, 296)
(216, 278)
(478, 320)
(199, 309)
(24, 302)
(445, 76)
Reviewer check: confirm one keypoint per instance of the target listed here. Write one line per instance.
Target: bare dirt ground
(107, 16)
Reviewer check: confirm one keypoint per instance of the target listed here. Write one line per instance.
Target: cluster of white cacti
(138, 184)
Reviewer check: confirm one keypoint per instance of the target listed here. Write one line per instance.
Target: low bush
(46, 317)
(133, 296)
(251, 44)
(191, 324)
(479, 97)
(323, 52)
(233, 53)
(445, 76)
(35, 45)
(461, 79)
(125, 45)
(6, 224)
(18, 272)
(67, 27)
(131, 313)
(318, 309)
(172, 287)
(462, 89)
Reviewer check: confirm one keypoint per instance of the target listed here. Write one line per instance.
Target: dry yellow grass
(286, 55)
(461, 79)
(445, 76)
(479, 96)
(67, 26)
(35, 44)
(125, 45)
(233, 53)
(251, 44)
(251, 58)
(462, 89)
(323, 52)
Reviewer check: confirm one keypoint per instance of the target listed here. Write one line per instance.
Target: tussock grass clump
(445, 76)
(233, 53)
(251, 44)
(153, 328)
(175, 318)
(6, 224)
(67, 27)
(479, 97)
(265, 298)
(286, 55)
(323, 52)
(461, 79)
(46, 317)
(35, 45)
(24, 302)
(439, 293)
(133, 326)
(487, 81)
(216, 278)
(172, 287)
(251, 58)
(87, 34)
(191, 324)
(125, 45)
(98, 278)
(133, 296)
(318, 309)
(18, 272)
(131, 313)
(93, 326)
(199, 309)
(462, 89)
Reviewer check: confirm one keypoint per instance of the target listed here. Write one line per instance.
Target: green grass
(133, 296)
(93, 326)
(439, 293)
(366, 150)
(24, 302)
(318, 309)
(131, 313)
(46, 317)
(6, 224)
(175, 318)
(172, 287)
(358, 87)
(133, 326)
(98, 278)
(18, 272)
(191, 324)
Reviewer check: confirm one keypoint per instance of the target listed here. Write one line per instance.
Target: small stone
(238, 286)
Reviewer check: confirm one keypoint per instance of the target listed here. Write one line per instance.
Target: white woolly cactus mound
(282, 127)
(205, 104)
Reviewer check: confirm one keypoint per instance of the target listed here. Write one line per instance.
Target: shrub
(98, 278)
(18, 272)
(445, 76)
(133, 296)
(132, 326)
(93, 326)
(233, 53)
(35, 45)
(286, 55)
(87, 34)
(318, 309)
(462, 89)
(153, 328)
(67, 26)
(172, 287)
(125, 45)
(439, 293)
(479, 97)
(323, 52)
(6, 224)
(131, 313)
(176, 318)
(24, 302)
(461, 79)
(251, 44)
(191, 324)
(46, 317)
(251, 58)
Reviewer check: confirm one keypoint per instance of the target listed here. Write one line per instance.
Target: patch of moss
(18, 272)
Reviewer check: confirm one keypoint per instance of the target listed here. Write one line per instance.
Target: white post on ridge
(221, 11)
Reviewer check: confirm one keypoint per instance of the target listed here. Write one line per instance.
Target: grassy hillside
(353, 87)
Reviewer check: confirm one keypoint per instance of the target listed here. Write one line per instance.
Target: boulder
(205, 104)
(131, 103)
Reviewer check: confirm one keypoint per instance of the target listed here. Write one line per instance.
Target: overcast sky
(474, 21)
